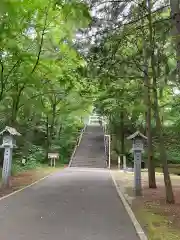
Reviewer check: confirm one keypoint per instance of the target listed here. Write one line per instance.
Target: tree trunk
(175, 16)
(47, 138)
(51, 131)
(29, 135)
(60, 130)
(148, 115)
(122, 130)
(151, 167)
(15, 105)
(162, 150)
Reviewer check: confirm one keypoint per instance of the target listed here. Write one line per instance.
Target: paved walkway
(74, 204)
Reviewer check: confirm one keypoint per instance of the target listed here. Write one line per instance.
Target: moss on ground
(156, 226)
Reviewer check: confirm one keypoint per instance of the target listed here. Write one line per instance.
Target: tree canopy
(40, 81)
(58, 58)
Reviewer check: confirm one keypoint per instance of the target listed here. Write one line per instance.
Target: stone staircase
(91, 152)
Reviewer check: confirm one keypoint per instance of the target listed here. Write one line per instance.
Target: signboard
(53, 155)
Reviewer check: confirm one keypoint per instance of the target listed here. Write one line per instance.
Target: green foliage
(40, 82)
(121, 60)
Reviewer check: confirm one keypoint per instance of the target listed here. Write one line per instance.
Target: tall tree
(175, 16)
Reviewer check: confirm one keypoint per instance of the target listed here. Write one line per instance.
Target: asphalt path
(73, 204)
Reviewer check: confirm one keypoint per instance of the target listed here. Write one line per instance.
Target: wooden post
(119, 162)
(124, 163)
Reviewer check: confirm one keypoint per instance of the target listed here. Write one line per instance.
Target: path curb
(28, 186)
(137, 226)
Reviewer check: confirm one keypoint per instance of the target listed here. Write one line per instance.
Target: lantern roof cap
(11, 131)
(136, 134)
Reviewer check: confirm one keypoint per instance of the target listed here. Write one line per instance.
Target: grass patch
(172, 170)
(156, 226)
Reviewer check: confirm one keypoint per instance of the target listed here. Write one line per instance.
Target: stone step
(89, 162)
(89, 158)
(91, 151)
(88, 165)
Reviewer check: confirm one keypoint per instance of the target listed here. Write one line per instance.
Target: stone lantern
(137, 149)
(8, 143)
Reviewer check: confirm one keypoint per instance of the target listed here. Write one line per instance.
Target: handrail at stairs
(77, 145)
